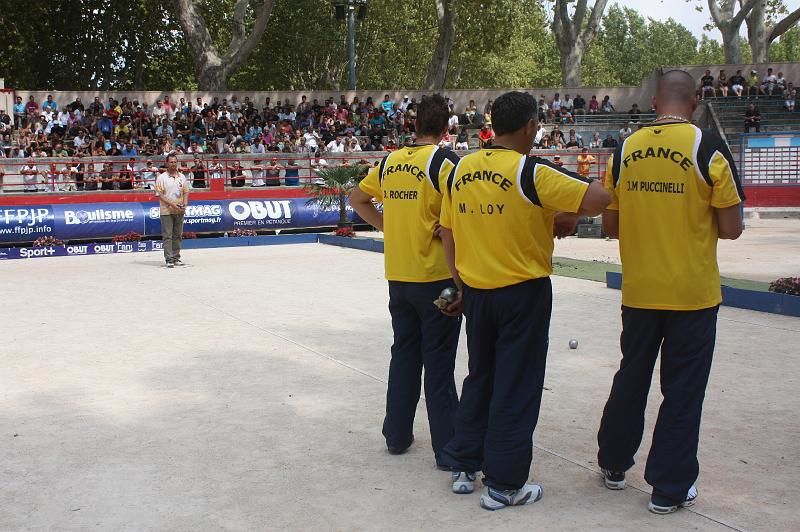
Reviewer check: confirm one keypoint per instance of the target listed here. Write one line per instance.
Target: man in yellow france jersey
(409, 182)
(675, 191)
(497, 222)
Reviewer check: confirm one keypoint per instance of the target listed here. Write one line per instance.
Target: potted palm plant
(333, 186)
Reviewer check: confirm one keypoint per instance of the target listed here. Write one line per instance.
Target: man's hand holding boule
(456, 308)
(449, 302)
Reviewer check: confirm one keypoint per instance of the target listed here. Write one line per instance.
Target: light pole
(351, 9)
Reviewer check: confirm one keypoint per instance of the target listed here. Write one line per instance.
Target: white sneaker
(463, 482)
(658, 505)
(494, 499)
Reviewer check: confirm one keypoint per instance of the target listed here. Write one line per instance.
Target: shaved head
(676, 87)
(676, 94)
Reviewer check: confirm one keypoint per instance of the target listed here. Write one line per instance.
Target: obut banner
(87, 221)
(80, 249)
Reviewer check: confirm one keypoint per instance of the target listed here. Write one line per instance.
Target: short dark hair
(512, 111)
(433, 115)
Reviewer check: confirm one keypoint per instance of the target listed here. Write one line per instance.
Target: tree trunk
(729, 23)
(213, 68)
(731, 44)
(138, 78)
(211, 78)
(760, 35)
(571, 60)
(573, 37)
(342, 209)
(437, 69)
(757, 33)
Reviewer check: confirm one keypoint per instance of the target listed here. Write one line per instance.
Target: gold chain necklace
(671, 117)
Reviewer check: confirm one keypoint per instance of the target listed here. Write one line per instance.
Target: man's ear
(533, 127)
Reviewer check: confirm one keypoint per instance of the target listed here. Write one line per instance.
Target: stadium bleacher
(774, 116)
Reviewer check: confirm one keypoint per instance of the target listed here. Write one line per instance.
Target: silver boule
(448, 294)
(573, 344)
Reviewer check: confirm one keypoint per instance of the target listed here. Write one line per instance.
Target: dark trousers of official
(171, 234)
(507, 336)
(686, 340)
(423, 338)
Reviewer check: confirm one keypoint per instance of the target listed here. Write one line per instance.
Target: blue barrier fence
(739, 298)
(89, 221)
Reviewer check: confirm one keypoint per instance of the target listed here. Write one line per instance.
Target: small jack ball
(449, 294)
(573, 344)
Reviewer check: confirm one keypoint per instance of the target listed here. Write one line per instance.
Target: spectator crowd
(128, 129)
(741, 86)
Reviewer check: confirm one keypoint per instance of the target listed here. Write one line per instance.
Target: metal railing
(110, 175)
(769, 158)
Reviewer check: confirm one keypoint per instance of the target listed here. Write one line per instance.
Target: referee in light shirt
(172, 189)
(498, 221)
(675, 192)
(409, 182)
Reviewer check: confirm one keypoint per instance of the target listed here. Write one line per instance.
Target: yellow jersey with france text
(666, 180)
(500, 206)
(409, 182)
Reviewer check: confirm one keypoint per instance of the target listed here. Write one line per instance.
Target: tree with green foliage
(143, 44)
(641, 45)
(503, 44)
(765, 23)
(334, 185)
(787, 48)
(709, 52)
(86, 44)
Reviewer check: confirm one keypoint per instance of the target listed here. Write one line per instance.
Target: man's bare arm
(595, 200)
(449, 245)
(362, 204)
(611, 223)
(729, 222)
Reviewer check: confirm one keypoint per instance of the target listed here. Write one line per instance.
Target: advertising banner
(97, 220)
(87, 221)
(26, 224)
(80, 249)
(200, 217)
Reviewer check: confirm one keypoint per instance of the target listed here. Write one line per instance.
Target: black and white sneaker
(662, 506)
(170, 265)
(178, 262)
(494, 499)
(614, 480)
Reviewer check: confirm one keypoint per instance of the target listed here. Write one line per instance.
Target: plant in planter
(345, 231)
(333, 186)
(786, 285)
(132, 236)
(236, 233)
(47, 241)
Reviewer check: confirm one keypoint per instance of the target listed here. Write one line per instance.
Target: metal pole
(351, 41)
